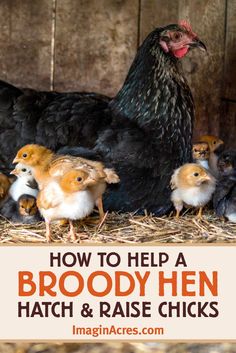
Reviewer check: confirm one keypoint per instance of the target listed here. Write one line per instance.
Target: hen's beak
(197, 43)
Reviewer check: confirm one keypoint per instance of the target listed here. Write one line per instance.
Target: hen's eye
(23, 170)
(196, 174)
(195, 150)
(24, 155)
(79, 179)
(214, 142)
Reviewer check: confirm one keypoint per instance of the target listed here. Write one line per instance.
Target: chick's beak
(16, 160)
(14, 172)
(197, 43)
(205, 178)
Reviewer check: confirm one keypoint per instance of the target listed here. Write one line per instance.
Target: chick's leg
(99, 204)
(71, 234)
(199, 215)
(178, 208)
(177, 214)
(48, 231)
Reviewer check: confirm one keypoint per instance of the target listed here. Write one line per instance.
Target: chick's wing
(49, 197)
(63, 164)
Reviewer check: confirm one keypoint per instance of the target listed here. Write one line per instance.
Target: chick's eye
(24, 155)
(196, 174)
(195, 150)
(214, 142)
(79, 179)
(23, 170)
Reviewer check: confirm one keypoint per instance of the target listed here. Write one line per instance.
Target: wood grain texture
(228, 123)
(203, 72)
(230, 52)
(96, 42)
(25, 42)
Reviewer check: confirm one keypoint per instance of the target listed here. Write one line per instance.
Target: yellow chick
(46, 165)
(67, 199)
(201, 154)
(192, 186)
(38, 158)
(215, 145)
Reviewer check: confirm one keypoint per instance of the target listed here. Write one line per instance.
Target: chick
(96, 170)
(46, 165)
(38, 158)
(67, 199)
(224, 198)
(192, 186)
(24, 184)
(201, 154)
(216, 147)
(24, 210)
(4, 187)
(227, 162)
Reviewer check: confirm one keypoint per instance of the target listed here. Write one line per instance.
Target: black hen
(144, 132)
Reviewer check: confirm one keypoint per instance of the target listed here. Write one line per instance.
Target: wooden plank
(229, 91)
(95, 43)
(157, 13)
(204, 72)
(25, 41)
(228, 123)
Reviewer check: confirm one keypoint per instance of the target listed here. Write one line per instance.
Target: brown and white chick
(192, 186)
(201, 154)
(38, 158)
(67, 199)
(25, 183)
(24, 210)
(46, 165)
(216, 146)
(4, 187)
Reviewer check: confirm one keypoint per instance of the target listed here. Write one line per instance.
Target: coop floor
(129, 229)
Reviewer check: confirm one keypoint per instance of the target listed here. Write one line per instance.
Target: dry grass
(117, 347)
(129, 229)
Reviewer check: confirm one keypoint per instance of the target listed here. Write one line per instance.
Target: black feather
(224, 198)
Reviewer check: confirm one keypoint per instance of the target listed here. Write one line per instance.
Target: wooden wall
(90, 44)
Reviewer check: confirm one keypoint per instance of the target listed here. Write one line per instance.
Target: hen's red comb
(186, 25)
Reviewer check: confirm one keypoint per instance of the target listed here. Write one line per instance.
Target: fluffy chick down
(24, 184)
(192, 186)
(68, 198)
